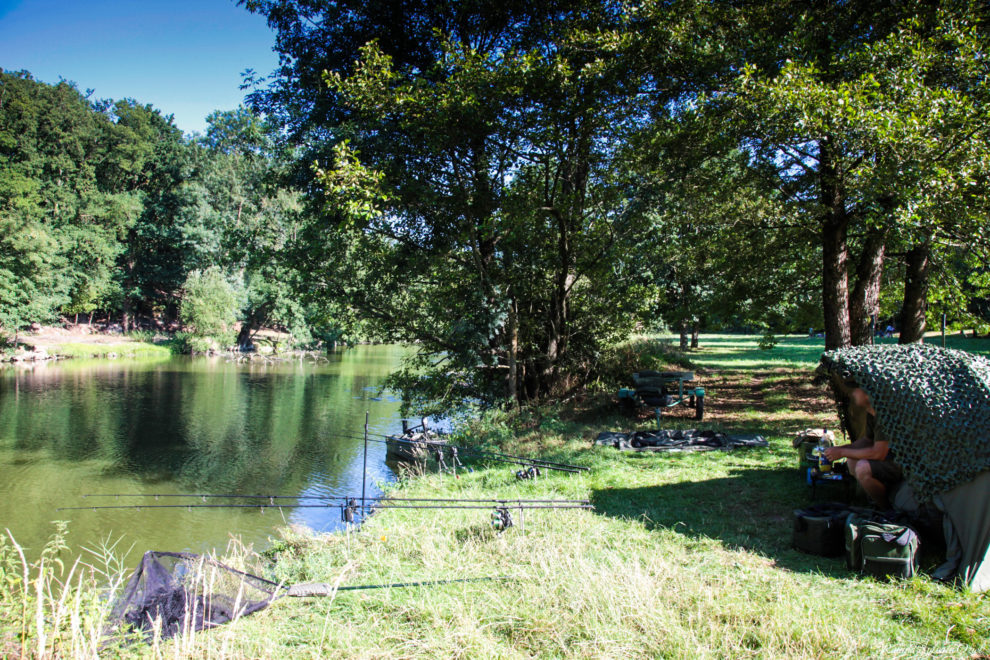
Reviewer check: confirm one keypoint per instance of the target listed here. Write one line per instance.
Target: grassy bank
(64, 343)
(685, 555)
(122, 349)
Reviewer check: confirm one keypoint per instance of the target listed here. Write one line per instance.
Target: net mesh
(932, 404)
(176, 592)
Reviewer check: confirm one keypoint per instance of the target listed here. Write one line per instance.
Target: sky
(185, 57)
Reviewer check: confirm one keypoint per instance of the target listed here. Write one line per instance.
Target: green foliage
(57, 240)
(137, 349)
(209, 305)
(638, 354)
(107, 207)
(767, 340)
(472, 196)
(859, 116)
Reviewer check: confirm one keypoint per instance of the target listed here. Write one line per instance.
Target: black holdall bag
(880, 546)
(819, 529)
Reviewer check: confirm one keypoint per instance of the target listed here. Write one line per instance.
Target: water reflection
(187, 425)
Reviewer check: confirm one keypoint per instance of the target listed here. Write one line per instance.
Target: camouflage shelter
(933, 407)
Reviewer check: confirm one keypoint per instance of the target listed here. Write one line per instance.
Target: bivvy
(175, 592)
(933, 408)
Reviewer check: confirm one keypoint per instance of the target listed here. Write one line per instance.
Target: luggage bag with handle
(880, 546)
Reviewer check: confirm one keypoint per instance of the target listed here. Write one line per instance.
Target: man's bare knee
(862, 470)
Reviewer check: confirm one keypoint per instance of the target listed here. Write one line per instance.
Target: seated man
(869, 459)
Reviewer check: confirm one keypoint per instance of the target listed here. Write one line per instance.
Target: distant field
(733, 352)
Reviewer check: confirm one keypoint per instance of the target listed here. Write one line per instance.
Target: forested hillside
(109, 213)
(515, 186)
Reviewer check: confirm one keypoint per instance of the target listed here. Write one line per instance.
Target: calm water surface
(187, 425)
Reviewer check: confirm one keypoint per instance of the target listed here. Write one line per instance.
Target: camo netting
(175, 592)
(933, 407)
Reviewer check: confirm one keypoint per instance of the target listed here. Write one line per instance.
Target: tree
(258, 220)
(875, 122)
(175, 231)
(63, 229)
(471, 197)
(209, 305)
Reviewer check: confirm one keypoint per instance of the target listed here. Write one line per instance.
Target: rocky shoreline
(25, 355)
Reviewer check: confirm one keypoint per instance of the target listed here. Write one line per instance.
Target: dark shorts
(887, 472)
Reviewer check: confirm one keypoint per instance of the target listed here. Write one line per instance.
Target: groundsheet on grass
(677, 440)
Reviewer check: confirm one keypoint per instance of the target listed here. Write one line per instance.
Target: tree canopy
(514, 187)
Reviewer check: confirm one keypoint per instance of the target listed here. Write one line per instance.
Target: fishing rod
(501, 518)
(349, 505)
(311, 589)
(494, 500)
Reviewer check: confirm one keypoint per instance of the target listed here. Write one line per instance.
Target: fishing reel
(501, 519)
(347, 512)
(455, 461)
(532, 472)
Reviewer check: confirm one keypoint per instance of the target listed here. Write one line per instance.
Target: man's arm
(875, 451)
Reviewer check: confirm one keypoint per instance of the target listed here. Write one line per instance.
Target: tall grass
(49, 609)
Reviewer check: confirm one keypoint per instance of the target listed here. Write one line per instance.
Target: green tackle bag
(879, 546)
(818, 529)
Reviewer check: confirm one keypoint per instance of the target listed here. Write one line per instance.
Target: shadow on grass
(752, 509)
(725, 352)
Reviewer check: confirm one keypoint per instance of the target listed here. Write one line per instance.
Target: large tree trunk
(835, 252)
(512, 380)
(918, 264)
(244, 335)
(683, 327)
(865, 300)
(695, 332)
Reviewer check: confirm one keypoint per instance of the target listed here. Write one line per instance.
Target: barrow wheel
(699, 408)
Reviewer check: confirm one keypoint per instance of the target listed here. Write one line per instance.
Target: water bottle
(824, 465)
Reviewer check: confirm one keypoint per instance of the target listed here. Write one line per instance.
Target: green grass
(123, 349)
(685, 555)
(740, 352)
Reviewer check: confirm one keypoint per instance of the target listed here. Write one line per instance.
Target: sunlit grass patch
(123, 349)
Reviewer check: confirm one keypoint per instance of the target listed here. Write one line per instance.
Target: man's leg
(852, 462)
(873, 486)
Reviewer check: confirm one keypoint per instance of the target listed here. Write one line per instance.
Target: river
(187, 425)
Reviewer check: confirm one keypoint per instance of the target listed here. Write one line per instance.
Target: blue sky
(185, 57)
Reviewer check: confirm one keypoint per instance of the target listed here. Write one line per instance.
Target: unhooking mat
(686, 440)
